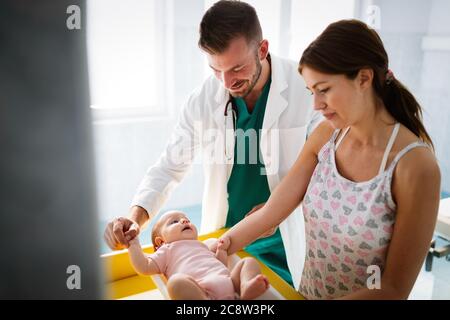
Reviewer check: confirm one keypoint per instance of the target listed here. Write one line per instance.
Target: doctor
(248, 122)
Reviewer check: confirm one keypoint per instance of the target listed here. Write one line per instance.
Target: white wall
(406, 29)
(403, 25)
(435, 83)
(125, 148)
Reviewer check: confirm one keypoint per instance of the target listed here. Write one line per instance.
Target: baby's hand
(223, 243)
(222, 249)
(134, 242)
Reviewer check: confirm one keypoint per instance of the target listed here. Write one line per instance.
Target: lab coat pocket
(291, 143)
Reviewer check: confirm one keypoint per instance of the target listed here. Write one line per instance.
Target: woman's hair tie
(389, 76)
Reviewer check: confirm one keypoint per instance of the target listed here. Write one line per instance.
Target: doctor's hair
(347, 46)
(225, 21)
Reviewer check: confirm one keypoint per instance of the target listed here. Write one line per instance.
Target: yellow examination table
(122, 282)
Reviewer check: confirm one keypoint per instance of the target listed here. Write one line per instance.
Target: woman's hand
(223, 243)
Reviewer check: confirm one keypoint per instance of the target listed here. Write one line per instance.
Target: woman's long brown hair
(347, 46)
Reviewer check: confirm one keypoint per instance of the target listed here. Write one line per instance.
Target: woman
(367, 177)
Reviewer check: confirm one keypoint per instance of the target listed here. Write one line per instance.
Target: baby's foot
(254, 287)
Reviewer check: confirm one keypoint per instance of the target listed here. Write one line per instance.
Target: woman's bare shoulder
(418, 163)
(320, 136)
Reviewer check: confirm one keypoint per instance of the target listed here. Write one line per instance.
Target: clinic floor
(434, 285)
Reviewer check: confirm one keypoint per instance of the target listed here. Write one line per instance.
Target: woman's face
(338, 98)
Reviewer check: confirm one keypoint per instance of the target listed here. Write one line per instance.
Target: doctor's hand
(119, 232)
(267, 233)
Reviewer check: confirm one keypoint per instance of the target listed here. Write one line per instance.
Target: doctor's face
(238, 67)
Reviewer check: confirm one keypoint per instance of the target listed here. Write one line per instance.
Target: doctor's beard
(253, 81)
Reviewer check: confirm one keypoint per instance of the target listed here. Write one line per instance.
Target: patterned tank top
(348, 224)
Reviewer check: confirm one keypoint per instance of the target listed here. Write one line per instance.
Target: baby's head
(172, 226)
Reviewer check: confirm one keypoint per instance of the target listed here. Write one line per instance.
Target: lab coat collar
(221, 99)
(222, 95)
(276, 103)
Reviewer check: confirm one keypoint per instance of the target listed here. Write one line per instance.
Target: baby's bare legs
(184, 287)
(248, 280)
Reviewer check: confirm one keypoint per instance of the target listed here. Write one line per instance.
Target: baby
(193, 271)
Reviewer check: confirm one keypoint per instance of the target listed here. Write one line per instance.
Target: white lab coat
(200, 131)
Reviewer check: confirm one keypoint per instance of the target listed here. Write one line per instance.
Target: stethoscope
(229, 112)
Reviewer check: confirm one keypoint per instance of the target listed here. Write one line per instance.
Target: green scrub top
(247, 187)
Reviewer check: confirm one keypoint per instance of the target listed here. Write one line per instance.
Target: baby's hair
(156, 228)
(156, 233)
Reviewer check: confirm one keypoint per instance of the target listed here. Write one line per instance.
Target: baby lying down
(193, 271)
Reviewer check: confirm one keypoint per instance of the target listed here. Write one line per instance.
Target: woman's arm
(286, 196)
(416, 188)
(142, 264)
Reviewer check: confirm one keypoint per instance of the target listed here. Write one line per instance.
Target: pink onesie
(193, 258)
